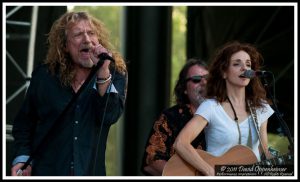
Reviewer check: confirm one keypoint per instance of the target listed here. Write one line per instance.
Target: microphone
(251, 73)
(102, 57)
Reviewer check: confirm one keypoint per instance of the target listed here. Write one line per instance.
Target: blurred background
(156, 41)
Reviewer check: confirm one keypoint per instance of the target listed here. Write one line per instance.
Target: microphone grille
(249, 74)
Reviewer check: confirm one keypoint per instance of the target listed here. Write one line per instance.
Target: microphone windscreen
(104, 56)
(249, 74)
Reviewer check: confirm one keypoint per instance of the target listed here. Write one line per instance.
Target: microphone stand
(279, 117)
(94, 69)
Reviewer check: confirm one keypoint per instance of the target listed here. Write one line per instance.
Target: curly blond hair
(59, 60)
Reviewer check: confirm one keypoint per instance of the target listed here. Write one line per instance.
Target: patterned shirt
(164, 132)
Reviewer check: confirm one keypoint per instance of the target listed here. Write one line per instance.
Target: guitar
(237, 155)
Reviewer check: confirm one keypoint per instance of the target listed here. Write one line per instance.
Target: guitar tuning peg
(280, 161)
(268, 162)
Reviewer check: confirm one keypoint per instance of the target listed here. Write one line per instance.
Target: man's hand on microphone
(96, 51)
(103, 74)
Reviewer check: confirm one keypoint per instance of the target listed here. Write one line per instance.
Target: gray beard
(198, 97)
(196, 102)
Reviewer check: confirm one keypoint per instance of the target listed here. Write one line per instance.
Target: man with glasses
(189, 93)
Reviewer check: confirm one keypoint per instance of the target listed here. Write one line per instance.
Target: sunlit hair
(59, 60)
(180, 87)
(216, 85)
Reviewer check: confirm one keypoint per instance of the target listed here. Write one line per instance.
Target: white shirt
(221, 133)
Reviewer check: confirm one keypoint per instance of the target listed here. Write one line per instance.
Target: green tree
(178, 45)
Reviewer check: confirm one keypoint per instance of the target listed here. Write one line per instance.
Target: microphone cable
(40, 146)
(102, 121)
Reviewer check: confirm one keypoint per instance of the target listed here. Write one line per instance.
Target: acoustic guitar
(237, 155)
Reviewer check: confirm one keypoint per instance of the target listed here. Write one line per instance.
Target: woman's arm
(184, 148)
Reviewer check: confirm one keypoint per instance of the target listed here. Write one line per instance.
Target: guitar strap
(249, 142)
(255, 122)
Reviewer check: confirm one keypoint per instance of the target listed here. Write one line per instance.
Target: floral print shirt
(164, 133)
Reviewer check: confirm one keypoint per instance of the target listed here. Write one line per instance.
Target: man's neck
(81, 74)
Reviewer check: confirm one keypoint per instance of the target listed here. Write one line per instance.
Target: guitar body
(237, 155)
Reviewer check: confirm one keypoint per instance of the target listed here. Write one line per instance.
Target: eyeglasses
(196, 79)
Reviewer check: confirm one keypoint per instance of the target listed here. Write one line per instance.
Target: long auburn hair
(180, 87)
(216, 85)
(60, 61)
